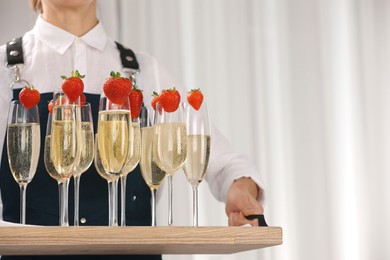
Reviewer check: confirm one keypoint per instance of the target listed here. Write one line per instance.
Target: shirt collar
(60, 40)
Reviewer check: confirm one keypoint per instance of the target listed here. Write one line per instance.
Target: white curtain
(301, 87)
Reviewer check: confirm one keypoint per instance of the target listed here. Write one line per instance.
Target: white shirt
(50, 52)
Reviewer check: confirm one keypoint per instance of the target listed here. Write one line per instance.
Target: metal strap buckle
(17, 77)
(133, 73)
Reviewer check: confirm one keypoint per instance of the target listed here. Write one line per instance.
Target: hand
(242, 200)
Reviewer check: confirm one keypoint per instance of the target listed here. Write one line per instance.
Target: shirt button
(77, 40)
(83, 220)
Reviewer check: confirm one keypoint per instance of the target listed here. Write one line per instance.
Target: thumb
(250, 206)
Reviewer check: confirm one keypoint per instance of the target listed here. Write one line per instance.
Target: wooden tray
(96, 240)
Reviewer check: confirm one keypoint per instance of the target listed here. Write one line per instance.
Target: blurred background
(300, 87)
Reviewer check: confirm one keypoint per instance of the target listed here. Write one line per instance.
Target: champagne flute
(152, 174)
(65, 144)
(198, 151)
(86, 155)
(170, 145)
(133, 157)
(23, 145)
(112, 181)
(55, 175)
(113, 136)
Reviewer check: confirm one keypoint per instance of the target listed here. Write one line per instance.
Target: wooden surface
(135, 240)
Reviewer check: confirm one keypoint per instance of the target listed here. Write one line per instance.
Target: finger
(251, 206)
(246, 204)
(238, 219)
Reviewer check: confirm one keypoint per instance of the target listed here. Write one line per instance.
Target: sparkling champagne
(86, 147)
(65, 138)
(134, 152)
(151, 173)
(99, 166)
(113, 139)
(48, 163)
(23, 145)
(198, 154)
(169, 146)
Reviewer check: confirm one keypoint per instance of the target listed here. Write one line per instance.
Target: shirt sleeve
(226, 166)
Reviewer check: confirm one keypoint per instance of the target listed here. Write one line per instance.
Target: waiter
(68, 36)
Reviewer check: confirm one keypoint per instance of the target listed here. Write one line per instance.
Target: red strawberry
(170, 100)
(29, 97)
(156, 98)
(136, 98)
(195, 98)
(62, 100)
(50, 106)
(73, 86)
(83, 99)
(116, 88)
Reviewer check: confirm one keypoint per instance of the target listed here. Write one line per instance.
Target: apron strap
(14, 52)
(128, 58)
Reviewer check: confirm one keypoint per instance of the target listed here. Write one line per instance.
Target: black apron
(42, 204)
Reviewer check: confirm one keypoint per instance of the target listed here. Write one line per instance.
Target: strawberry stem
(30, 87)
(74, 74)
(136, 89)
(115, 75)
(194, 89)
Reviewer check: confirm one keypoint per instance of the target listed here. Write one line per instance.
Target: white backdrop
(300, 87)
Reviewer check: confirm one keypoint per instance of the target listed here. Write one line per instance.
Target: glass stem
(23, 187)
(64, 212)
(123, 199)
(154, 205)
(60, 198)
(170, 200)
(110, 202)
(76, 199)
(115, 202)
(195, 206)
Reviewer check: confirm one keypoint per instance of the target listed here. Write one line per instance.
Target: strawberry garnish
(195, 98)
(62, 100)
(170, 100)
(136, 98)
(73, 86)
(116, 88)
(83, 100)
(155, 100)
(50, 106)
(29, 97)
